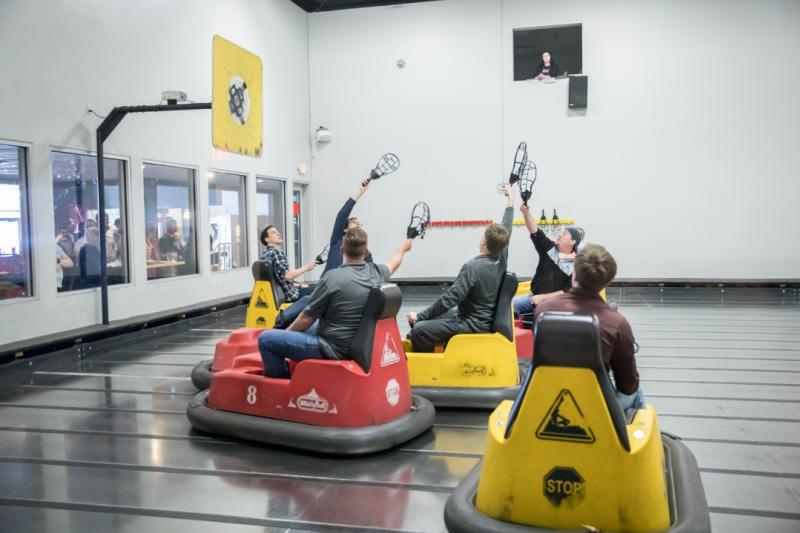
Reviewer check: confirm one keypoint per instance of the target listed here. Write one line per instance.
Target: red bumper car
(341, 407)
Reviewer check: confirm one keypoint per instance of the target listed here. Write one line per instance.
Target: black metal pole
(101, 225)
(103, 132)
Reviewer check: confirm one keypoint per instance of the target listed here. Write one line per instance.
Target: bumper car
(339, 407)
(266, 301)
(476, 370)
(563, 457)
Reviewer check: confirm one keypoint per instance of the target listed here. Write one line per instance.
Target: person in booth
(325, 328)
(556, 262)
(547, 68)
(595, 268)
(468, 306)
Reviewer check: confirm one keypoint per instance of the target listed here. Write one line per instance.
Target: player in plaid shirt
(272, 238)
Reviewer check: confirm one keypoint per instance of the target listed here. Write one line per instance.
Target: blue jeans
(523, 305)
(630, 403)
(276, 344)
(287, 316)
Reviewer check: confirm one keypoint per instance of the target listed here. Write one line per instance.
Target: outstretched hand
(362, 188)
(406, 246)
(525, 209)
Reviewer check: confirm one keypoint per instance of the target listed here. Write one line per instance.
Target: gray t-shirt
(338, 302)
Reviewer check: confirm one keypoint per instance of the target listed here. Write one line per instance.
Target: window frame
(195, 201)
(246, 244)
(126, 181)
(285, 184)
(27, 223)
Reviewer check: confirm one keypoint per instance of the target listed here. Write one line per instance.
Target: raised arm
(340, 224)
(530, 222)
(508, 216)
(397, 259)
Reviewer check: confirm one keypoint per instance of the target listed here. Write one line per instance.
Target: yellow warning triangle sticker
(564, 421)
(261, 300)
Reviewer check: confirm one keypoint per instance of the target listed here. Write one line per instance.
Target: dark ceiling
(312, 6)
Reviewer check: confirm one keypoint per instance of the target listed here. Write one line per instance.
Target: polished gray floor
(96, 439)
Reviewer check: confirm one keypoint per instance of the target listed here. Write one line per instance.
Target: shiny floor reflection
(96, 439)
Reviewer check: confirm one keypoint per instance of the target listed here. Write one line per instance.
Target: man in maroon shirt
(594, 269)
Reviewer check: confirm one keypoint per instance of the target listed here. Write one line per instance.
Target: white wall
(685, 164)
(60, 55)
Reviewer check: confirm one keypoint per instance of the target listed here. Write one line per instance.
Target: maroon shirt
(616, 336)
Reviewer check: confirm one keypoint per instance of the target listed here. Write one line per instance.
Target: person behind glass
(547, 68)
(170, 243)
(89, 259)
(272, 239)
(152, 251)
(326, 327)
(62, 261)
(595, 268)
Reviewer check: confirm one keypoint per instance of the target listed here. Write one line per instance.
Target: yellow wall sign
(236, 99)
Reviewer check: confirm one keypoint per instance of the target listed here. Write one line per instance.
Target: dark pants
(276, 346)
(287, 316)
(427, 334)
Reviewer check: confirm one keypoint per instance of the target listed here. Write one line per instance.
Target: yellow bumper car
(475, 370)
(563, 457)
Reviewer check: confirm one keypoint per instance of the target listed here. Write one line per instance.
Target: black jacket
(554, 69)
(548, 277)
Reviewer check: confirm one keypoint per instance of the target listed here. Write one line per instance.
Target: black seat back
(566, 339)
(263, 271)
(503, 316)
(382, 302)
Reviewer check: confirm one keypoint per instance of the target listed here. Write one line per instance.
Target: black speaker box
(578, 87)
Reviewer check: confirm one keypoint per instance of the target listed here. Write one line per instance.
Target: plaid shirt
(281, 266)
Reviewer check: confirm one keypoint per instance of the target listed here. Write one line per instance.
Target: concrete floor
(96, 438)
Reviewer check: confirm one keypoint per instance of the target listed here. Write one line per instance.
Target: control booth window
(270, 207)
(548, 53)
(78, 225)
(15, 266)
(169, 215)
(226, 216)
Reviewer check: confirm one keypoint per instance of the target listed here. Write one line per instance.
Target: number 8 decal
(251, 394)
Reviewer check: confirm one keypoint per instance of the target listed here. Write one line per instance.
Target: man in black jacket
(556, 261)
(468, 306)
(342, 223)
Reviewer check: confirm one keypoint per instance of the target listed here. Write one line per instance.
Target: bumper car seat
(562, 456)
(266, 301)
(339, 407)
(476, 370)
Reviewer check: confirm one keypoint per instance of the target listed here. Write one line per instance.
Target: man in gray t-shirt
(326, 327)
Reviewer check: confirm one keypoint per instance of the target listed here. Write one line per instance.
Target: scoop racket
(520, 159)
(526, 180)
(420, 218)
(387, 164)
(322, 257)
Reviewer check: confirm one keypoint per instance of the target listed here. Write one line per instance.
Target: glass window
(270, 202)
(77, 225)
(15, 270)
(226, 216)
(169, 215)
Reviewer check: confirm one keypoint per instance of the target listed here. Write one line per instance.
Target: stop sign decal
(564, 485)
